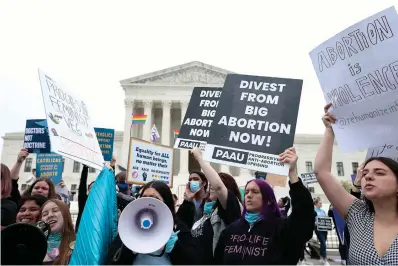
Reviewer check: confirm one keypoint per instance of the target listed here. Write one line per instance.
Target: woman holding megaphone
(135, 242)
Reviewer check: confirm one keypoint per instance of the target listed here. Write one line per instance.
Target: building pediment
(190, 73)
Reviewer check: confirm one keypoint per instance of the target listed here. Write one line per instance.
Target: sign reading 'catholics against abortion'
(49, 165)
(105, 137)
(198, 120)
(70, 129)
(255, 122)
(386, 150)
(36, 138)
(149, 162)
(358, 73)
(308, 178)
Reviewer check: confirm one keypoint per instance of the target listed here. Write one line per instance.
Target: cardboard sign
(198, 120)
(358, 73)
(386, 150)
(324, 224)
(36, 139)
(49, 165)
(70, 129)
(276, 180)
(148, 162)
(308, 178)
(105, 137)
(255, 122)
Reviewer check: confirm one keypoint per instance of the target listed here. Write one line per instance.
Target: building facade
(164, 96)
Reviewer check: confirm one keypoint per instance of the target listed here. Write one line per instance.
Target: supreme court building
(164, 96)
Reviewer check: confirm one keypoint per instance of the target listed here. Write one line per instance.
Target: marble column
(146, 133)
(184, 154)
(129, 107)
(245, 173)
(166, 123)
(224, 168)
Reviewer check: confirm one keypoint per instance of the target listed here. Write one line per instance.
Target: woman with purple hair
(262, 235)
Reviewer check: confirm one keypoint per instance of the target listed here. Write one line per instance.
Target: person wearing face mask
(29, 210)
(179, 249)
(60, 242)
(262, 235)
(221, 208)
(191, 209)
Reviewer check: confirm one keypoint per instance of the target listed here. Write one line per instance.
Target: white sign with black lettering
(386, 150)
(324, 224)
(308, 178)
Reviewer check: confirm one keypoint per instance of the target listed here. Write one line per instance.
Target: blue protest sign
(339, 223)
(36, 138)
(105, 137)
(49, 165)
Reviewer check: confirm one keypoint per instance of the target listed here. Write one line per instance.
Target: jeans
(322, 236)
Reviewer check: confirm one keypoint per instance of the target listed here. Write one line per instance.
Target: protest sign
(308, 178)
(358, 72)
(276, 180)
(198, 120)
(105, 137)
(255, 122)
(36, 139)
(148, 162)
(69, 125)
(49, 165)
(340, 224)
(386, 150)
(324, 223)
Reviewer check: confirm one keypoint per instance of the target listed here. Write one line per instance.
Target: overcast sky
(89, 46)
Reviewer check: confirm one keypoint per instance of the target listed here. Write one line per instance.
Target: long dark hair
(390, 163)
(164, 191)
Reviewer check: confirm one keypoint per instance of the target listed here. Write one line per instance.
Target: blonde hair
(6, 183)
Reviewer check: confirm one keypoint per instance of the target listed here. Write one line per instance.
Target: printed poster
(385, 150)
(255, 122)
(105, 137)
(71, 132)
(324, 223)
(198, 120)
(308, 178)
(358, 73)
(148, 162)
(49, 165)
(36, 139)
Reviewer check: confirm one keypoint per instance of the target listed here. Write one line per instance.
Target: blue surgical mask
(194, 186)
(251, 218)
(208, 207)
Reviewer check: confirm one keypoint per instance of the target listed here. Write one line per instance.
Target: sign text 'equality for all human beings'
(358, 73)
(198, 120)
(148, 162)
(255, 122)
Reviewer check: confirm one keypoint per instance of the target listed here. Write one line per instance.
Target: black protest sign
(308, 178)
(255, 122)
(198, 120)
(324, 224)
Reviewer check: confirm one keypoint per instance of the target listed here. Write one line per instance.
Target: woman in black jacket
(262, 235)
(178, 250)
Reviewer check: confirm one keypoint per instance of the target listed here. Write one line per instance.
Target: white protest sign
(358, 72)
(386, 150)
(149, 162)
(69, 125)
(308, 178)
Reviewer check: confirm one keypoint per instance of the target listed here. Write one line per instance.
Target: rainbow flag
(139, 119)
(176, 133)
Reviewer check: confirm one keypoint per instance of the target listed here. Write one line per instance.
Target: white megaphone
(145, 225)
